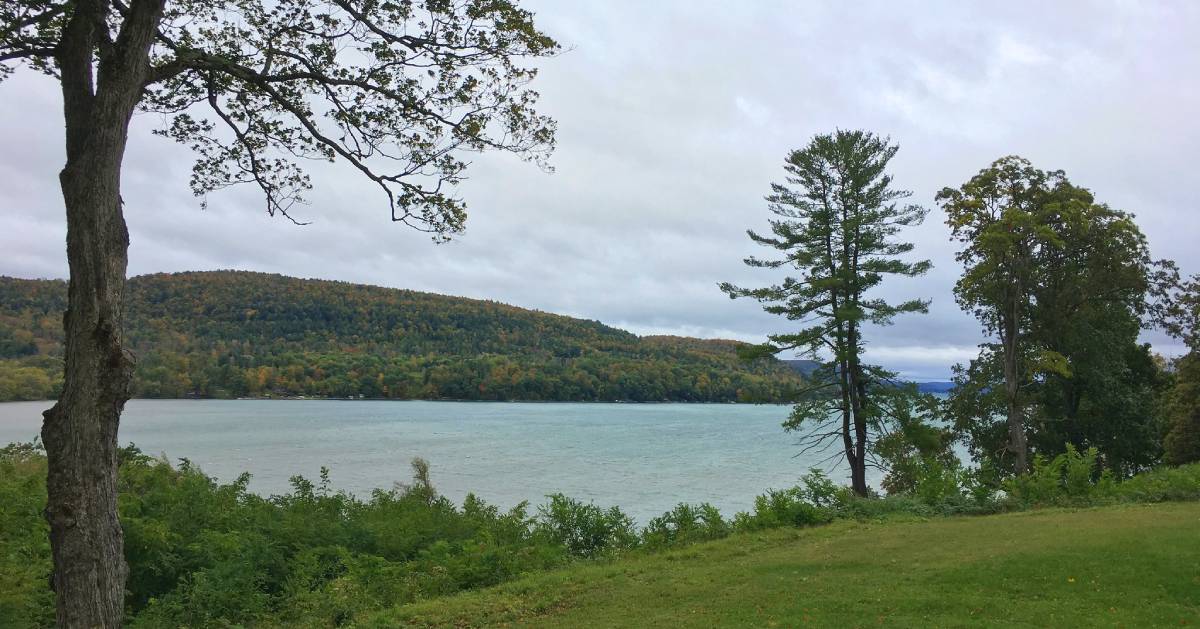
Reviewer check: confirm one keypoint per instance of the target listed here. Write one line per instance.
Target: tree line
(236, 334)
(1061, 284)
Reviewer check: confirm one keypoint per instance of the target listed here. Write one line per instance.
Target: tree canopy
(397, 90)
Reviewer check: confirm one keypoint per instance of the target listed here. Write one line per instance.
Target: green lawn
(1124, 566)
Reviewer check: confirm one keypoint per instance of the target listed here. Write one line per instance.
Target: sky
(673, 120)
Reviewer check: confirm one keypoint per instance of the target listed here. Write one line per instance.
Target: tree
(917, 454)
(1000, 217)
(1182, 441)
(837, 226)
(1062, 282)
(1181, 319)
(397, 90)
(1178, 301)
(1089, 309)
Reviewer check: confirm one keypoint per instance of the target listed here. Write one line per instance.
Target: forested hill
(228, 334)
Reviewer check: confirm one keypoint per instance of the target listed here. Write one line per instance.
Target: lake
(644, 458)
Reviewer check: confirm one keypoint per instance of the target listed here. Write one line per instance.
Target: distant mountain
(935, 387)
(802, 367)
(229, 334)
(806, 367)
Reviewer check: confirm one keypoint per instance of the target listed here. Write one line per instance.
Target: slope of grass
(1119, 566)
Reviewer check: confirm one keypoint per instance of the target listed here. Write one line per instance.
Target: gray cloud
(674, 118)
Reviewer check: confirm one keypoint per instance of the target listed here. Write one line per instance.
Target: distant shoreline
(380, 399)
(934, 387)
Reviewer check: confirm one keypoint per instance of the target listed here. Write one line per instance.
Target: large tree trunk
(858, 475)
(80, 431)
(849, 421)
(1017, 443)
(858, 470)
(855, 455)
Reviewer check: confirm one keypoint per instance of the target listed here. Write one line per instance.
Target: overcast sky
(674, 117)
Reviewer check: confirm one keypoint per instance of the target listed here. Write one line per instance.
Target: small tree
(837, 221)
(398, 90)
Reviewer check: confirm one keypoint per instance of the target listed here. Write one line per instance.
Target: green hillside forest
(227, 334)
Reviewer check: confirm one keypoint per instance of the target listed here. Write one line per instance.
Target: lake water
(643, 457)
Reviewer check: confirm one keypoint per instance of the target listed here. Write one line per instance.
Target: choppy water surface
(643, 457)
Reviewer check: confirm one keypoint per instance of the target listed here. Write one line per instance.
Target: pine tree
(838, 216)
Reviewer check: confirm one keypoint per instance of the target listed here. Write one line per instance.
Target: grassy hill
(233, 334)
(1122, 566)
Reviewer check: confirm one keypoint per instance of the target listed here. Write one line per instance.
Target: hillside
(228, 334)
(1125, 566)
(802, 367)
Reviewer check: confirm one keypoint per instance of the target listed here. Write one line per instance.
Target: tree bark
(80, 431)
(1017, 443)
(858, 470)
(849, 228)
(852, 437)
(848, 422)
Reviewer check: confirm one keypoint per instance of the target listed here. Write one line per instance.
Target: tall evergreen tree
(838, 216)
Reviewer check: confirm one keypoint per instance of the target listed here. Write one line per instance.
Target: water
(644, 458)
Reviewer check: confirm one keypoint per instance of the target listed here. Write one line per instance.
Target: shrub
(25, 599)
(858, 508)
(939, 483)
(203, 553)
(584, 529)
(1160, 485)
(685, 524)
(822, 492)
(817, 500)
(776, 508)
(1069, 478)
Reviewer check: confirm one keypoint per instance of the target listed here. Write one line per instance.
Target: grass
(1117, 566)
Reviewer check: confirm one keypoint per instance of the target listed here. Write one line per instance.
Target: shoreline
(367, 399)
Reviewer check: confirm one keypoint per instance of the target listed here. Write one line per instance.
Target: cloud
(674, 118)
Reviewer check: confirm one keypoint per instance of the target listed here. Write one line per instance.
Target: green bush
(203, 553)
(817, 500)
(1161, 485)
(584, 529)
(685, 524)
(777, 508)
(25, 567)
(1070, 478)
